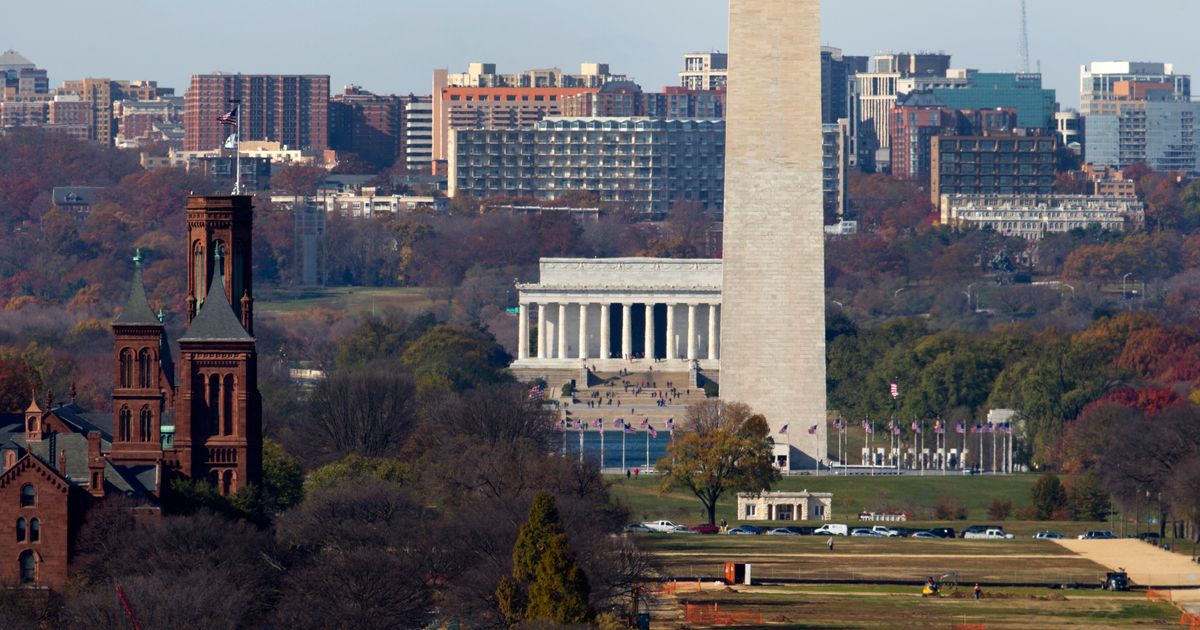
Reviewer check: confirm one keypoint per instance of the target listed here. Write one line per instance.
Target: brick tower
(142, 379)
(218, 412)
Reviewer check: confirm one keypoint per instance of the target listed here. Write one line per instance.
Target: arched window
(228, 482)
(227, 406)
(20, 530)
(127, 368)
(214, 404)
(28, 495)
(145, 422)
(35, 530)
(145, 368)
(28, 565)
(198, 271)
(124, 419)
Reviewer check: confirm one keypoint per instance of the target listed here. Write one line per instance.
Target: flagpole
(602, 445)
(623, 448)
(647, 446)
(237, 147)
(582, 429)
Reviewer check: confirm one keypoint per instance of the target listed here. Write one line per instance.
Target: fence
(1156, 595)
(673, 587)
(1190, 621)
(711, 615)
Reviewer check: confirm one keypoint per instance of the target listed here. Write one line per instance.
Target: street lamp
(1124, 294)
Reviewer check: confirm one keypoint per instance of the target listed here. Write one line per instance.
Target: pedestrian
(635, 472)
(830, 543)
(626, 473)
(978, 592)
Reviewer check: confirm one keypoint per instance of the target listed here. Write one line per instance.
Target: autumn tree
(724, 447)
(1049, 496)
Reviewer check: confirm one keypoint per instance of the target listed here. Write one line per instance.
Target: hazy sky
(391, 45)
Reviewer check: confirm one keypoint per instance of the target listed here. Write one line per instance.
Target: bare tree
(369, 412)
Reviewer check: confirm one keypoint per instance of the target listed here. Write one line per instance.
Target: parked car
(1149, 536)
(1048, 536)
(661, 526)
(744, 530)
(885, 531)
(790, 531)
(943, 532)
(994, 533)
(867, 533)
(977, 529)
(926, 535)
(905, 532)
(832, 529)
(706, 529)
(637, 528)
(680, 529)
(1097, 534)
(1116, 581)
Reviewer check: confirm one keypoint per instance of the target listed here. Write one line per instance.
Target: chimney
(95, 465)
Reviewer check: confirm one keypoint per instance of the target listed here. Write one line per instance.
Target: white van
(832, 530)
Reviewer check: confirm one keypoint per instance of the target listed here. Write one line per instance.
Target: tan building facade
(773, 338)
(785, 506)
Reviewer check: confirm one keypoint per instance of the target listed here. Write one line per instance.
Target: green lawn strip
(353, 299)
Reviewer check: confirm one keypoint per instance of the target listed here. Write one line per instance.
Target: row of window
(145, 366)
(29, 533)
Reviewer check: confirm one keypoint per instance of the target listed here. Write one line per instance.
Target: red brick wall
(53, 513)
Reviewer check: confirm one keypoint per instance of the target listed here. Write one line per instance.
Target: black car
(942, 532)
(1116, 581)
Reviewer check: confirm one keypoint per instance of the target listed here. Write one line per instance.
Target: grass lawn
(821, 606)
(850, 496)
(351, 299)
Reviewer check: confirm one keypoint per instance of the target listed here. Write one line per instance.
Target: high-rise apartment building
(100, 94)
(705, 71)
(646, 164)
(991, 165)
(1098, 80)
(837, 72)
(418, 136)
(913, 64)
(1035, 106)
(369, 125)
(483, 99)
(290, 109)
(1160, 132)
(21, 76)
(919, 117)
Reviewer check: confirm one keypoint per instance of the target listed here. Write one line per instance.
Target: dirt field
(1146, 564)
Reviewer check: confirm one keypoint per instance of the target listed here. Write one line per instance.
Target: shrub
(711, 389)
(1000, 509)
(949, 509)
(1048, 496)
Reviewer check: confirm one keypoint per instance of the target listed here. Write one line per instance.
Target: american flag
(619, 423)
(916, 427)
(562, 425)
(960, 427)
(895, 389)
(630, 430)
(671, 426)
(867, 427)
(895, 430)
(811, 430)
(230, 119)
(598, 423)
(645, 422)
(580, 426)
(978, 428)
(653, 433)
(1007, 427)
(535, 392)
(938, 427)
(783, 430)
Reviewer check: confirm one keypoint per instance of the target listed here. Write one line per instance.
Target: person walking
(978, 592)
(830, 543)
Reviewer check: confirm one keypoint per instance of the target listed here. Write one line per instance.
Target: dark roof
(921, 99)
(85, 421)
(216, 320)
(56, 445)
(137, 311)
(135, 481)
(73, 195)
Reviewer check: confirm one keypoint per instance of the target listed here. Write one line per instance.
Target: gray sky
(391, 45)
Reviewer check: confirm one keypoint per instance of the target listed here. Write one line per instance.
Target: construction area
(873, 583)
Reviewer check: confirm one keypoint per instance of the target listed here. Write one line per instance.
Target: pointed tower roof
(14, 59)
(216, 320)
(137, 311)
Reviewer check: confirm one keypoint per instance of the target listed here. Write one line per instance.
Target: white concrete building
(705, 71)
(418, 136)
(1034, 216)
(785, 506)
(620, 313)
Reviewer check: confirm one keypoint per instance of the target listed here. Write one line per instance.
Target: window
(28, 564)
(28, 495)
(144, 368)
(20, 530)
(144, 424)
(751, 510)
(126, 368)
(124, 422)
(35, 530)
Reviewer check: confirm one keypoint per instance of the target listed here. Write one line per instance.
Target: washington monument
(773, 334)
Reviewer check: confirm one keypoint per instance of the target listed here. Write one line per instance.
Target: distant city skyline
(392, 46)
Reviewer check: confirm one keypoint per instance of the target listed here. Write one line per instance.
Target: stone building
(200, 422)
(621, 313)
(785, 506)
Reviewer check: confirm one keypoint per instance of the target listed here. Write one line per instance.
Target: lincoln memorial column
(712, 332)
(649, 354)
(562, 331)
(626, 330)
(671, 345)
(522, 331)
(605, 333)
(691, 344)
(583, 329)
(541, 334)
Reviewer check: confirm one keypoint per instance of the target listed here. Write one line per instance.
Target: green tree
(381, 338)
(357, 468)
(1048, 496)
(282, 478)
(465, 357)
(724, 447)
(559, 592)
(1087, 500)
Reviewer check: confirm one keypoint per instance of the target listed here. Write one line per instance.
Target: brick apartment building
(991, 165)
(202, 421)
(290, 109)
(921, 116)
(373, 126)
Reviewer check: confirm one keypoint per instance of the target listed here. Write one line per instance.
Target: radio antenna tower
(1024, 39)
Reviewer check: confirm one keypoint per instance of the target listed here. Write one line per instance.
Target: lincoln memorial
(621, 313)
